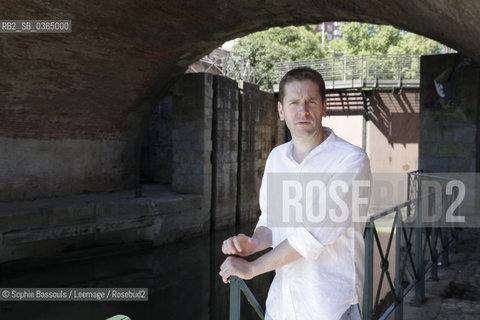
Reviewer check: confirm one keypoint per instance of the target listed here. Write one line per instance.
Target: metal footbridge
(360, 71)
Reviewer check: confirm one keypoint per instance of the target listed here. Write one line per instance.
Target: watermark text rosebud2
(316, 195)
(433, 211)
(341, 199)
(316, 199)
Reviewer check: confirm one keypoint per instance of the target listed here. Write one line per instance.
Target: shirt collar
(331, 137)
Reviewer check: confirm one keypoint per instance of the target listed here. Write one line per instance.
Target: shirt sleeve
(310, 239)
(263, 220)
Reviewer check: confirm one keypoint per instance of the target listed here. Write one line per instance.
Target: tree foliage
(278, 45)
(362, 38)
(299, 43)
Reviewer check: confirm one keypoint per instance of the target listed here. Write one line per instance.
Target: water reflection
(182, 279)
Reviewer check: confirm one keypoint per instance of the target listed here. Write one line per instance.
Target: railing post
(234, 298)
(444, 233)
(419, 265)
(434, 229)
(398, 271)
(434, 239)
(368, 285)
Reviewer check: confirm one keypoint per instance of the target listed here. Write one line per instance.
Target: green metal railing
(360, 70)
(237, 286)
(419, 247)
(373, 66)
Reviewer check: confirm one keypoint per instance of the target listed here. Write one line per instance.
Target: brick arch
(87, 95)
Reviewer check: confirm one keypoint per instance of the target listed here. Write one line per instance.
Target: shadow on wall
(396, 114)
(156, 158)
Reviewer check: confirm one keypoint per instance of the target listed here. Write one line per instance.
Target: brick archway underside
(101, 82)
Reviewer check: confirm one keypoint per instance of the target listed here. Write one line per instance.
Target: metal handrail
(230, 65)
(406, 224)
(413, 255)
(360, 67)
(237, 285)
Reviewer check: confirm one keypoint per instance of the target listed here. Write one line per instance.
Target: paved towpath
(456, 296)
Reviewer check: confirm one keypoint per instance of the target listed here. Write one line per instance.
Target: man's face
(302, 109)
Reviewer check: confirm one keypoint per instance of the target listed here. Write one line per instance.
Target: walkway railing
(360, 71)
(237, 286)
(417, 247)
(420, 246)
(228, 64)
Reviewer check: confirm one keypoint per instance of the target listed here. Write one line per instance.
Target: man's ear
(280, 111)
(324, 113)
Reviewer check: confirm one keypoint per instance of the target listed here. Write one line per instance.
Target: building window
(329, 36)
(329, 27)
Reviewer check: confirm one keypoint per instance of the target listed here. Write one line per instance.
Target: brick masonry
(99, 84)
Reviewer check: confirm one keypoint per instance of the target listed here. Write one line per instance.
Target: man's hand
(281, 255)
(234, 266)
(240, 244)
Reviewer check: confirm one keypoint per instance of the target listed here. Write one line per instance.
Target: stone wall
(247, 199)
(268, 135)
(225, 151)
(449, 100)
(191, 134)
(222, 135)
(192, 146)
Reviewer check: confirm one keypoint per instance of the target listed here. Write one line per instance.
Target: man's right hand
(240, 244)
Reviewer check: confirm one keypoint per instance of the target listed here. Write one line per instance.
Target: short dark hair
(299, 74)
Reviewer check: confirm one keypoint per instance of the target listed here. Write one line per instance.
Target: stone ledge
(116, 217)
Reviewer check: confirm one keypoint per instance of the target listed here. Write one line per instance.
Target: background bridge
(360, 71)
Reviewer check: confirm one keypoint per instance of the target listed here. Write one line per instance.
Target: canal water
(182, 280)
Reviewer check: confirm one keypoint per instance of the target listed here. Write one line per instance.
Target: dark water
(182, 279)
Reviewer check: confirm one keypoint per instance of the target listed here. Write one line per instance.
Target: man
(318, 264)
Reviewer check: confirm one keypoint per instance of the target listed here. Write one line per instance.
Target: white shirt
(329, 278)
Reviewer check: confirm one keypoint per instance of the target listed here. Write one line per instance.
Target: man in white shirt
(319, 262)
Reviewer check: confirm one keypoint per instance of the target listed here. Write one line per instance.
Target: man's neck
(302, 147)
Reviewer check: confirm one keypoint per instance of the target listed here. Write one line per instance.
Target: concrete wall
(156, 158)
(32, 168)
(449, 114)
(391, 140)
(192, 146)
(391, 132)
(349, 128)
(191, 134)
